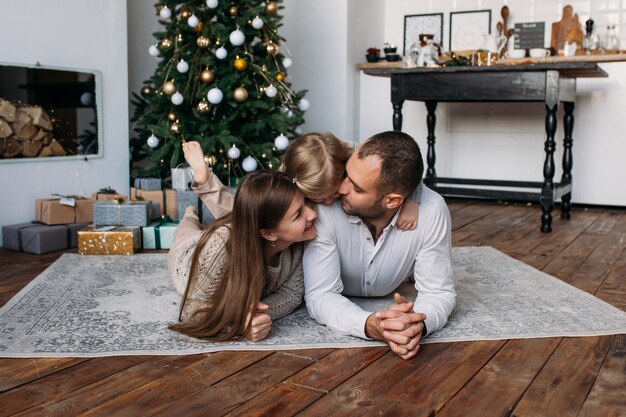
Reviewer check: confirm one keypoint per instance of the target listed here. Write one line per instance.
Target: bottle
(612, 40)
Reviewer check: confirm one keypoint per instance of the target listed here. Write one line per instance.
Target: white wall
(505, 141)
(79, 34)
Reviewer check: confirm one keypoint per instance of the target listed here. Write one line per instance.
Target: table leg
(431, 120)
(568, 127)
(397, 115)
(547, 190)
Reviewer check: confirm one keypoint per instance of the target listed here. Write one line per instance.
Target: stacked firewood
(26, 131)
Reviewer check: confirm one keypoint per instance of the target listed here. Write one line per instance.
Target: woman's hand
(261, 322)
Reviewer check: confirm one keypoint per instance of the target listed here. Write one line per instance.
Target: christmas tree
(221, 80)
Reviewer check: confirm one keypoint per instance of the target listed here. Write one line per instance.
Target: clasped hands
(399, 326)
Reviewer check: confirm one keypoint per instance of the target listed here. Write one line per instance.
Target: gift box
(159, 234)
(108, 194)
(40, 238)
(109, 240)
(190, 198)
(182, 178)
(166, 198)
(148, 183)
(64, 210)
(127, 213)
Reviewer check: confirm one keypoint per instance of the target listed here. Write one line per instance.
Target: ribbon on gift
(157, 229)
(61, 198)
(141, 198)
(107, 191)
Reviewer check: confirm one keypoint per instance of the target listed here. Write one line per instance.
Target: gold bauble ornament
(240, 94)
(166, 43)
(185, 14)
(280, 76)
(171, 117)
(240, 64)
(169, 88)
(272, 48)
(207, 76)
(175, 128)
(198, 28)
(271, 8)
(233, 11)
(203, 41)
(210, 160)
(146, 90)
(203, 106)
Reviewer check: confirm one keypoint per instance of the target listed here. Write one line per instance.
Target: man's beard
(375, 211)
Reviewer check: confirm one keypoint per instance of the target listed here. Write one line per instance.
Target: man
(359, 252)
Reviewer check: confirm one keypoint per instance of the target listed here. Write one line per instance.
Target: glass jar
(612, 40)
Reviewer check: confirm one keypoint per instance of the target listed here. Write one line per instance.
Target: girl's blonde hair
(317, 161)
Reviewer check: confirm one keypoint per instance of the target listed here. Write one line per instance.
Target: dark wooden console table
(549, 83)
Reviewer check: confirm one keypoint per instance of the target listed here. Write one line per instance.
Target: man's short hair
(401, 167)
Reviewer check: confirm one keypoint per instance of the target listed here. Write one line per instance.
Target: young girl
(318, 160)
(251, 254)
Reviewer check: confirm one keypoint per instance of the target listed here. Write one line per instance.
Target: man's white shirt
(343, 260)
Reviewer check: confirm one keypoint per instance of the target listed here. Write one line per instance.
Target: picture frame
(467, 29)
(416, 24)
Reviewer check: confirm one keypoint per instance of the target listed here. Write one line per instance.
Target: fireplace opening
(48, 112)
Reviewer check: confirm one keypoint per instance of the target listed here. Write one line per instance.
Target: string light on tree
(166, 43)
(171, 117)
(175, 128)
(185, 14)
(182, 66)
(146, 91)
(249, 164)
(281, 142)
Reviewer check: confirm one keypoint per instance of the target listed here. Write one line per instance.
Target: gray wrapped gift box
(148, 183)
(39, 238)
(189, 198)
(128, 213)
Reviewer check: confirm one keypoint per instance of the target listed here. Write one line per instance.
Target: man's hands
(399, 326)
(261, 322)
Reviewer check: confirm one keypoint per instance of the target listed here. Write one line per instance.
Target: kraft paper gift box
(107, 194)
(190, 198)
(148, 183)
(182, 178)
(64, 210)
(159, 234)
(127, 213)
(40, 238)
(109, 240)
(165, 197)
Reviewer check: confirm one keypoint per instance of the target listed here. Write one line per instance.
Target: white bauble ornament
(221, 53)
(177, 98)
(281, 142)
(237, 37)
(257, 23)
(287, 62)
(212, 4)
(271, 91)
(182, 66)
(234, 152)
(193, 21)
(153, 141)
(153, 50)
(304, 104)
(249, 164)
(86, 99)
(215, 95)
(298, 131)
(165, 12)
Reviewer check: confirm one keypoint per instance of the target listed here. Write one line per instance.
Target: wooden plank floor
(534, 377)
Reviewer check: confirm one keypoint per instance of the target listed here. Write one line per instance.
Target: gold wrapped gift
(109, 240)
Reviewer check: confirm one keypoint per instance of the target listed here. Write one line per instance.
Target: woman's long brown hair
(261, 201)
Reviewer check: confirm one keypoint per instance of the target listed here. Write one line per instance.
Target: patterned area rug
(113, 305)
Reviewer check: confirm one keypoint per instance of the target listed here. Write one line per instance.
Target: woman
(245, 270)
